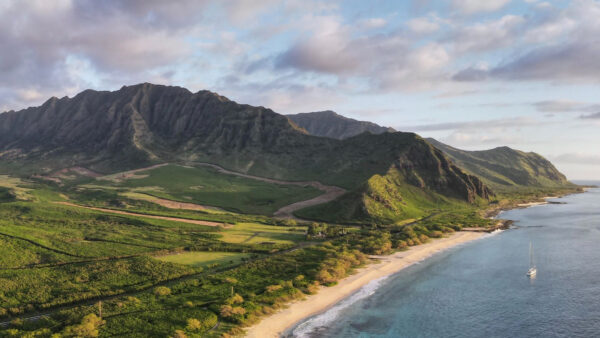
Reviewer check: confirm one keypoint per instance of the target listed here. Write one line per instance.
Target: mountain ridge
(147, 124)
(505, 168)
(330, 124)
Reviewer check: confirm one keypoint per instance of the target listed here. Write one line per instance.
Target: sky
(471, 73)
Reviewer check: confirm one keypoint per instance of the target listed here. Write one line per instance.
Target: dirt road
(287, 212)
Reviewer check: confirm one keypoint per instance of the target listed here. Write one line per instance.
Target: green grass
(252, 233)
(203, 259)
(206, 186)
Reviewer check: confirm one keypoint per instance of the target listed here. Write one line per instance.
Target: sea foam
(308, 327)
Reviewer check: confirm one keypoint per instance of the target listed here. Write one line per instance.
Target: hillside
(504, 168)
(147, 124)
(329, 124)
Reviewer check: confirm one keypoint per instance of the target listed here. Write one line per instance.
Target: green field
(204, 259)
(252, 233)
(208, 187)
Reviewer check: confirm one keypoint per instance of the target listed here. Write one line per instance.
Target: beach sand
(275, 324)
(531, 204)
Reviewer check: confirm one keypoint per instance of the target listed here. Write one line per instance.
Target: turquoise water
(480, 289)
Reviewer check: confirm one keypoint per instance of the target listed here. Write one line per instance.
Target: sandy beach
(274, 325)
(544, 200)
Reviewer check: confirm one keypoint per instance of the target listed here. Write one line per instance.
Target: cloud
(424, 25)
(474, 125)
(337, 49)
(487, 35)
(561, 106)
(478, 6)
(471, 74)
(577, 158)
(591, 116)
(574, 62)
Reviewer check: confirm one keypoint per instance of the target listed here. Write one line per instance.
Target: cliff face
(136, 125)
(504, 167)
(146, 124)
(329, 124)
(419, 180)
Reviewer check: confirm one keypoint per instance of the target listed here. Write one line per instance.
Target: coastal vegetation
(159, 277)
(168, 228)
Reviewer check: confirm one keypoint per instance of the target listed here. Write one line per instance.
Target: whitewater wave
(313, 324)
(495, 232)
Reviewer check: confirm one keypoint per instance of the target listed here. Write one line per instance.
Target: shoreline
(281, 321)
(494, 212)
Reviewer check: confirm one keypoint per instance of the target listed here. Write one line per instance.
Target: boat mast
(530, 255)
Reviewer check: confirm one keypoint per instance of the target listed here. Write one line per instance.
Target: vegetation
(205, 259)
(206, 186)
(70, 271)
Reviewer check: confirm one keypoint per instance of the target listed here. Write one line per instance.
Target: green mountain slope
(418, 184)
(329, 124)
(506, 169)
(147, 124)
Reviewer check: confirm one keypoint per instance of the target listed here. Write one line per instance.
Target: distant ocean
(480, 289)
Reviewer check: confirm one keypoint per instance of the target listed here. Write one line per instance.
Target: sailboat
(532, 269)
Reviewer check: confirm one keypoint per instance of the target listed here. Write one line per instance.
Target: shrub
(236, 299)
(162, 291)
(229, 311)
(179, 334)
(193, 324)
(88, 328)
(273, 288)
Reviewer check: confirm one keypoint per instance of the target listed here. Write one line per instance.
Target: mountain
(147, 124)
(504, 168)
(329, 124)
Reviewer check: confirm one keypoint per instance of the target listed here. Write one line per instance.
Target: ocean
(480, 288)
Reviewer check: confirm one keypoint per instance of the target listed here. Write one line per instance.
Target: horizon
(473, 75)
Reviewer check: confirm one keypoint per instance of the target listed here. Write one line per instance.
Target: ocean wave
(322, 320)
(494, 233)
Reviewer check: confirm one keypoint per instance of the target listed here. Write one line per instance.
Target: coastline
(495, 211)
(276, 324)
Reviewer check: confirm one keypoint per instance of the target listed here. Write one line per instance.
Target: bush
(273, 288)
(236, 299)
(88, 328)
(193, 324)
(179, 334)
(162, 291)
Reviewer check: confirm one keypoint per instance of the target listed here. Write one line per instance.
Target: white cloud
(561, 106)
(423, 25)
(478, 6)
(487, 35)
(578, 158)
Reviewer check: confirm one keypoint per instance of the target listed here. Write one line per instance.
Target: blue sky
(474, 74)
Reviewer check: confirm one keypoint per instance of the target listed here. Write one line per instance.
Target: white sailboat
(532, 269)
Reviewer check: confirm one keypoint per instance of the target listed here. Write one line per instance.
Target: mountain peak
(330, 124)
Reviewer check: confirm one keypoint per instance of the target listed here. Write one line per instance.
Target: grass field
(252, 233)
(206, 186)
(204, 259)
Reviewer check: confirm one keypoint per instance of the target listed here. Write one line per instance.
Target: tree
(162, 291)
(179, 334)
(193, 324)
(89, 327)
